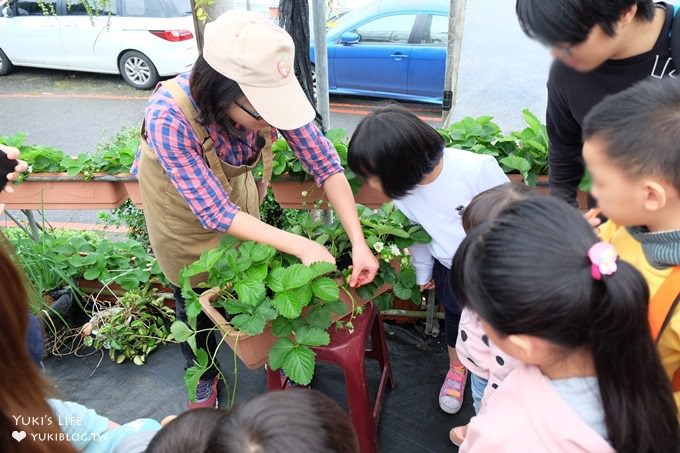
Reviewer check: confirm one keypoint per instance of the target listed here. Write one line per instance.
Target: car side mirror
(7, 12)
(349, 38)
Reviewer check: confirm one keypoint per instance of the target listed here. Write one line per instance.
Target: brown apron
(176, 235)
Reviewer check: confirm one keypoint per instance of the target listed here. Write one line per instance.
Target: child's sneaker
(206, 394)
(453, 389)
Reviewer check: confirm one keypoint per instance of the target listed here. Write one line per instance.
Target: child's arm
(80, 424)
(423, 262)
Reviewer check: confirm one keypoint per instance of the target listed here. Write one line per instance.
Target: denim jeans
(477, 387)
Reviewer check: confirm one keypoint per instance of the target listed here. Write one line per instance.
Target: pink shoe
(206, 394)
(453, 389)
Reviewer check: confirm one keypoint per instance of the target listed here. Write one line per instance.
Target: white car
(142, 40)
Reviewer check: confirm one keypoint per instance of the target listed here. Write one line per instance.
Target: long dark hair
(395, 145)
(294, 421)
(527, 272)
(23, 391)
(570, 21)
(213, 94)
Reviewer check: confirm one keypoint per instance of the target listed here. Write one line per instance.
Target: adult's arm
(317, 155)
(565, 159)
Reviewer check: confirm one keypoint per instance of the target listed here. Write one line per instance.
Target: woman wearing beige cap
(201, 139)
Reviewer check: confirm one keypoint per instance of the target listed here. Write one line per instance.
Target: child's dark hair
(299, 421)
(396, 146)
(486, 205)
(640, 127)
(189, 432)
(570, 21)
(528, 272)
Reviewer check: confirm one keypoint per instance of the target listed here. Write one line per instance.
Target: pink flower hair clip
(603, 257)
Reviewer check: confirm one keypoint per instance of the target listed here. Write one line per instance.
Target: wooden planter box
(131, 185)
(60, 191)
(542, 188)
(294, 194)
(253, 351)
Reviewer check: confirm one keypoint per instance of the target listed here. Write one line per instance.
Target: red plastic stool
(348, 351)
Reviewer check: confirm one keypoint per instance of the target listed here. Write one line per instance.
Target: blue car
(390, 49)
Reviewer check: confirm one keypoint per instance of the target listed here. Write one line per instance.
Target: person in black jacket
(600, 47)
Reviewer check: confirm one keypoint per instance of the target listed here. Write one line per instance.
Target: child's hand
(428, 285)
(457, 434)
(168, 419)
(592, 217)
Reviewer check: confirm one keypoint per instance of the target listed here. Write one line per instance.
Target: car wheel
(137, 70)
(6, 66)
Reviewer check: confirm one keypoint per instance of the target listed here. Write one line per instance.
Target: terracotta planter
(132, 188)
(294, 194)
(60, 191)
(253, 351)
(543, 188)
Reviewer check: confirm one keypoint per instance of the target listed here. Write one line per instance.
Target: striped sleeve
(316, 152)
(175, 145)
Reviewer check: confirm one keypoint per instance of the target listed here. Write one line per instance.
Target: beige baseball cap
(249, 49)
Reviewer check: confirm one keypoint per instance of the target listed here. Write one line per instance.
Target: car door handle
(398, 56)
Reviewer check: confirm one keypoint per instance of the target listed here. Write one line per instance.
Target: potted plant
(129, 328)
(278, 309)
(523, 155)
(294, 188)
(58, 181)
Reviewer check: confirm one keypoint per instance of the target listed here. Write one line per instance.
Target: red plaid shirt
(170, 135)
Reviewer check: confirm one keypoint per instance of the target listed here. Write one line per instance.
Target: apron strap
(267, 158)
(187, 107)
(662, 305)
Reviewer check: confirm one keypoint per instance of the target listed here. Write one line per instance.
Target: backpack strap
(663, 304)
(675, 37)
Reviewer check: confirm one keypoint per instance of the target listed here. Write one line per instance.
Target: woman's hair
(213, 94)
(486, 205)
(643, 116)
(189, 432)
(570, 21)
(299, 421)
(23, 392)
(396, 146)
(528, 272)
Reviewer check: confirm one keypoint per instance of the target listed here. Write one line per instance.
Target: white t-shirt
(436, 206)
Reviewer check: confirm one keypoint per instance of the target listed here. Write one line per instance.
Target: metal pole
(321, 66)
(456, 23)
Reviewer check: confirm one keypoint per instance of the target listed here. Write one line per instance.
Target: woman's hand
(364, 265)
(313, 252)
